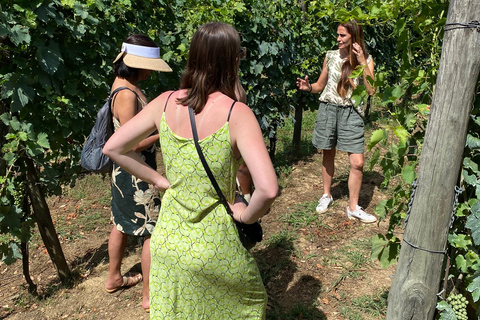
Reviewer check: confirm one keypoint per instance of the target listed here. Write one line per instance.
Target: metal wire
(457, 25)
(458, 191)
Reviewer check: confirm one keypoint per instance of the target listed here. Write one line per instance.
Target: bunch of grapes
(459, 305)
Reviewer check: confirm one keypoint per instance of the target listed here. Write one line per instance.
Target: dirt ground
(307, 277)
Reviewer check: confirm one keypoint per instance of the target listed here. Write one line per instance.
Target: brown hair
(356, 33)
(212, 64)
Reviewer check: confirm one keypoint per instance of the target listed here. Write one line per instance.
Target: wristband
(310, 91)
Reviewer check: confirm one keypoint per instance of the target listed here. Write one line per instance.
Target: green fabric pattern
(200, 269)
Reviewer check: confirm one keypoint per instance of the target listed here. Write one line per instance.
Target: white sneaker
(323, 203)
(358, 213)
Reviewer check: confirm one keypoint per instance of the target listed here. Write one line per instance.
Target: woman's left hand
(238, 208)
(357, 50)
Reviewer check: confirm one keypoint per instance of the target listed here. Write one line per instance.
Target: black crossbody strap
(205, 164)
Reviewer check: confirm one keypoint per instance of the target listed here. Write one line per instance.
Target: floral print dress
(135, 203)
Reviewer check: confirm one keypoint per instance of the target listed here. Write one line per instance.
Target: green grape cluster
(459, 304)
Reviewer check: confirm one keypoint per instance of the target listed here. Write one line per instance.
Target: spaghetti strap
(230, 112)
(166, 102)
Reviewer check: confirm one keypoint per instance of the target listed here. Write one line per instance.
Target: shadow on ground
(288, 298)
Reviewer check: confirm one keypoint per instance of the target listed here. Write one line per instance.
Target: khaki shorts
(338, 127)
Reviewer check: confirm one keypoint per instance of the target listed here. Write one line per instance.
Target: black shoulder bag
(249, 234)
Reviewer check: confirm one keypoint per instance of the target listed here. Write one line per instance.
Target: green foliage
(405, 94)
(453, 308)
(55, 60)
(412, 41)
(447, 312)
(56, 69)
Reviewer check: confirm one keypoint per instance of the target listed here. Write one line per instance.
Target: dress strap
(166, 102)
(230, 112)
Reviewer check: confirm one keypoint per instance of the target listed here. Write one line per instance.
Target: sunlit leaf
(474, 286)
(447, 312)
(19, 34)
(49, 57)
(408, 174)
(473, 223)
(375, 138)
(42, 140)
(401, 133)
(472, 142)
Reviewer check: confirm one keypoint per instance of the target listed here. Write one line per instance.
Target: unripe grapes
(459, 305)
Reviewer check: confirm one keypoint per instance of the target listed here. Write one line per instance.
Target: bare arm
(119, 146)
(248, 141)
(368, 72)
(303, 84)
(369, 67)
(125, 108)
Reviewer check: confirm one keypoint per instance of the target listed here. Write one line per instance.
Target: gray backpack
(92, 157)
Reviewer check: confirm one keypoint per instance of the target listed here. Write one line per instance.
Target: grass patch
(375, 306)
(285, 153)
(303, 215)
(283, 239)
(91, 184)
(354, 258)
(350, 314)
(357, 253)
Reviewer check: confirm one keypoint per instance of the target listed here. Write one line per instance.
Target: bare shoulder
(242, 112)
(243, 121)
(125, 95)
(161, 100)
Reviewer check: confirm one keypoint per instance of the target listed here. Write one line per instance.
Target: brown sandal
(127, 282)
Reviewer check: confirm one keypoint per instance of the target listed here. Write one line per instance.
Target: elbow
(107, 150)
(270, 192)
(273, 192)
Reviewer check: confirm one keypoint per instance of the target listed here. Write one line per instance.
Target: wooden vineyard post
(413, 294)
(45, 223)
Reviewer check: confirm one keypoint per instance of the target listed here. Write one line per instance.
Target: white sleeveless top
(334, 67)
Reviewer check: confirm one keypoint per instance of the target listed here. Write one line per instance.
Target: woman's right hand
(161, 184)
(303, 84)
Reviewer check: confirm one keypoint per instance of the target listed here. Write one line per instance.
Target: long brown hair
(212, 64)
(356, 33)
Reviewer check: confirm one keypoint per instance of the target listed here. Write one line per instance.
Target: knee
(357, 164)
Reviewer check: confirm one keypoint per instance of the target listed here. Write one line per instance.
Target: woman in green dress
(200, 269)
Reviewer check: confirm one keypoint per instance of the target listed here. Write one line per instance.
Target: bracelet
(311, 88)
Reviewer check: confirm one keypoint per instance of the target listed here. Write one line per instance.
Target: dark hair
(212, 64)
(356, 33)
(124, 71)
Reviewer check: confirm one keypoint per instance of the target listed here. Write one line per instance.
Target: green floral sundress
(200, 269)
